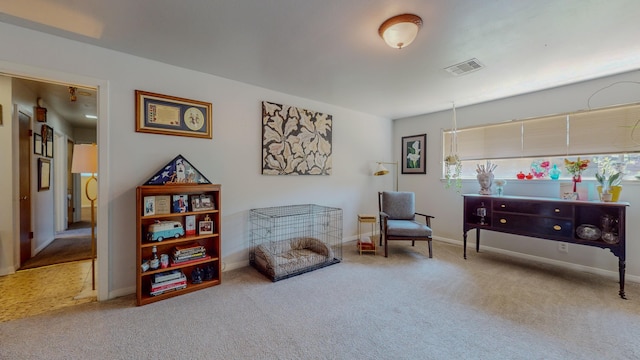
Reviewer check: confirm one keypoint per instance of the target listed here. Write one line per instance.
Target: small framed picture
(202, 203)
(163, 204)
(190, 224)
(149, 205)
(37, 144)
(206, 202)
(44, 174)
(195, 203)
(180, 203)
(205, 226)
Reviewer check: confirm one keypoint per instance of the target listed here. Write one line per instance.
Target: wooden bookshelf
(211, 242)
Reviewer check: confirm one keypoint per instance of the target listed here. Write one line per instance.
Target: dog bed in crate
(285, 258)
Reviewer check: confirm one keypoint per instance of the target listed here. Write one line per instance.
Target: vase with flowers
(575, 168)
(609, 185)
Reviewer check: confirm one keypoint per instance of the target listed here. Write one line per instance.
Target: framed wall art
(295, 141)
(414, 154)
(44, 174)
(37, 144)
(46, 132)
(170, 115)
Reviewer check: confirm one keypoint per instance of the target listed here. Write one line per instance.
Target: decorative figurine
(485, 177)
(196, 276)
(554, 173)
(500, 183)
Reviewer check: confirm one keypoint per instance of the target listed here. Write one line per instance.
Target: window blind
(611, 130)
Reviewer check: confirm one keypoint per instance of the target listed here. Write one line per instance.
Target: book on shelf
(189, 257)
(199, 250)
(159, 292)
(167, 276)
(186, 262)
(168, 283)
(188, 249)
(171, 285)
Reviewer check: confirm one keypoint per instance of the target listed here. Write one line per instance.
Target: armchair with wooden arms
(398, 219)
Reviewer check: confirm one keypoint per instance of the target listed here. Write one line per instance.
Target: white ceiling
(330, 51)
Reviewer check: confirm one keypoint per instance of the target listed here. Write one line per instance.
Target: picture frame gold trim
(44, 174)
(37, 144)
(171, 115)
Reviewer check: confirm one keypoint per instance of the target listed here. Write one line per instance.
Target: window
(608, 137)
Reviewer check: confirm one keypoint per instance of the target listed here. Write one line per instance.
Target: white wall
(232, 158)
(431, 195)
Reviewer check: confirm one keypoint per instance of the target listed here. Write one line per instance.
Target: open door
(24, 153)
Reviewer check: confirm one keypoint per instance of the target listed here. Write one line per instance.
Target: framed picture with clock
(170, 115)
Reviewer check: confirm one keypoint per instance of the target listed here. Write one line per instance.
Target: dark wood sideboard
(545, 218)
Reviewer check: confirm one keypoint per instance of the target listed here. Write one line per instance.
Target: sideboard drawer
(534, 225)
(538, 208)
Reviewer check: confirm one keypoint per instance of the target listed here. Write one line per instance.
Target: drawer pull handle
(557, 227)
(557, 210)
(503, 206)
(503, 221)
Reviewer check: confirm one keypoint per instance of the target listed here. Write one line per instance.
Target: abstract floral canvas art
(295, 141)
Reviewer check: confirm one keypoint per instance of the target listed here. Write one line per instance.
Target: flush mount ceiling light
(400, 30)
(72, 93)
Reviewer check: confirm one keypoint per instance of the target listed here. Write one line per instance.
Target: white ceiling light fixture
(72, 93)
(400, 30)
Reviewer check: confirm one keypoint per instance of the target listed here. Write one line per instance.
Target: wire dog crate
(290, 240)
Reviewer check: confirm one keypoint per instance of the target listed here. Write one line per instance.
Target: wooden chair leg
(430, 251)
(386, 248)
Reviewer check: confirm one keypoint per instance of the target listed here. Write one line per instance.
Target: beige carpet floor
(406, 306)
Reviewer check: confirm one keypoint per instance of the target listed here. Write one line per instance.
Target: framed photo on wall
(414, 154)
(170, 115)
(44, 174)
(37, 144)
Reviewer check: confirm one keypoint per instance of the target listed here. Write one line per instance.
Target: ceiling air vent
(464, 67)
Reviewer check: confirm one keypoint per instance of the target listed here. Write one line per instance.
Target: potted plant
(453, 171)
(609, 189)
(452, 163)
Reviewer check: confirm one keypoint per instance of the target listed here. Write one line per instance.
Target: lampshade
(85, 159)
(381, 170)
(400, 30)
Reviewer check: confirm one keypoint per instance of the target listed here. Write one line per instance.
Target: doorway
(45, 231)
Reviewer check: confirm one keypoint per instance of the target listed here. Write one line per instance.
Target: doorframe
(59, 182)
(102, 129)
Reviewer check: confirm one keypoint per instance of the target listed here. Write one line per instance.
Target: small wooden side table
(371, 245)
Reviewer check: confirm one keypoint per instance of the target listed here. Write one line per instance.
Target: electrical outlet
(563, 247)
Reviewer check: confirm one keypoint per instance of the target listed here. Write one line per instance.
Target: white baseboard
(607, 273)
(121, 292)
